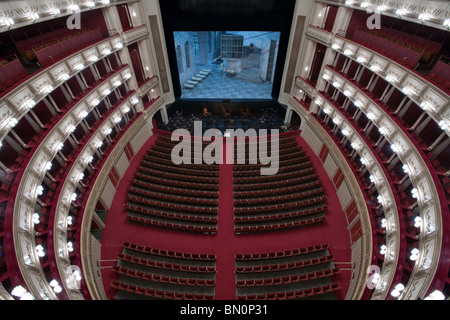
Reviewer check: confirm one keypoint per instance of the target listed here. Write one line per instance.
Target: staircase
(250, 70)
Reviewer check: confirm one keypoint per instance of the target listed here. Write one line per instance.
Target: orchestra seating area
(302, 273)
(151, 273)
(293, 198)
(180, 197)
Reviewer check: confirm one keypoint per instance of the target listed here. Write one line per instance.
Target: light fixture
(73, 197)
(31, 103)
(361, 59)
(95, 102)
(18, 291)
(73, 7)
(6, 21)
(375, 68)
(383, 131)
(396, 148)
(336, 84)
(383, 249)
(383, 223)
(93, 58)
(13, 122)
(106, 51)
(106, 92)
(108, 131)
(63, 77)
(117, 83)
(347, 93)
(444, 125)
(69, 220)
(40, 251)
(126, 109)
(48, 166)
(426, 106)
(335, 46)
(406, 169)
(78, 66)
(55, 11)
(424, 16)
(371, 116)
(319, 102)
(337, 121)
(435, 295)
(105, 2)
(349, 2)
(33, 15)
(327, 110)
(99, 144)
(90, 4)
(117, 120)
(415, 193)
(326, 77)
(414, 254)
(390, 78)
(401, 12)
(398, 289)
(417, 222)
(70, 246)
(36, 218)
(60, 146)
(365, 4)
(56, 287)
(127, 76)
(348, 52)
(118, 45)
(134, 100)
(358, 103)
(382, 8)
(446, 23)
(83, 114)
(40, 190)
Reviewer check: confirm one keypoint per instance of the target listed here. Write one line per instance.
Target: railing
(369, 245)
(431, 201)
(19, 101)
(18, 223)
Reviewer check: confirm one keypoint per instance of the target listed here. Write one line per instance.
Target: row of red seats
(283, 190)
(167, 161)
(166, 265)
(279, 177)
(173, 207)
(287, 279)
(280, 254)
(285, 266)
(172, 226)
(284, 161)
(278, 227)
(440, 82)
(302, 163)
(168, 253)
(176, 169)
(178, 184)
(175, 191)
(177, 177)
(275, 199)
(165, 279)
(154, 293)
(293, 294)
(171, 216)
(282, 152)
(401, 60)
(173, 199)
(280, 216)
(300, 204)
(268, 186)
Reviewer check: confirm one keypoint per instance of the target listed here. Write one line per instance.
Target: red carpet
(225, 244)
